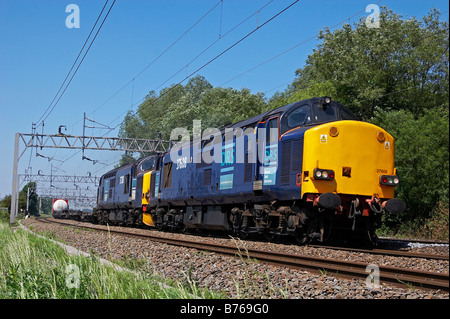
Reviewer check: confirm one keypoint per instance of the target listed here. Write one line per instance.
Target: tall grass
(33, 267)
(436, 227)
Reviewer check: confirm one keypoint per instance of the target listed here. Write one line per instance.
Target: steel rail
(419, 241)
(387, 252)
(339, 268)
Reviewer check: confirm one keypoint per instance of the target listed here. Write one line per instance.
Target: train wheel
(269, 236)
(301, 237)
(243, 234)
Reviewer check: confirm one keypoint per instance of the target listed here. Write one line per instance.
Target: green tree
(6, 202)
(33, 203)
(401, 65)
(222, 106)
(46, 204)
(421, 156)
(178, 106)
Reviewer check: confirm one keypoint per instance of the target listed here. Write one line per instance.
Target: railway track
(419, 241)
(387, 252)
(339, 268)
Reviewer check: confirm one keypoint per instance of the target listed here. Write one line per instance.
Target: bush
(422, 161)
(437, 226)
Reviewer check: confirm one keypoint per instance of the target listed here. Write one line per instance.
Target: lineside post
(14, 194)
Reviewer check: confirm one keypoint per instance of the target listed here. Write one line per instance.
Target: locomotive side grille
(202, 164)
(152, 186)
(297, 156)
(286, 162)
(248, 169)
(207, 177)
(248, 172)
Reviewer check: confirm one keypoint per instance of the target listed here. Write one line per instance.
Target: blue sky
(37, 50)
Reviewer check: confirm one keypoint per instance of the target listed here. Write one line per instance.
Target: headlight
(389, 180)
(323, 174)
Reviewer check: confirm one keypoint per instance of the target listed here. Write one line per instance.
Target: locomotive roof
(114, 170)
(278, 110)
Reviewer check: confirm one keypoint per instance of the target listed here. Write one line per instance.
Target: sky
(137, 51)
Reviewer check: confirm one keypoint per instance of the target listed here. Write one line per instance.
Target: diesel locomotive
(309, 169)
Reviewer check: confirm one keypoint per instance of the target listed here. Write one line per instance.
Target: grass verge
(35, 268)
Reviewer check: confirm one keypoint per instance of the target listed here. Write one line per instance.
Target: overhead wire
(291, 48)
(218, 55)
(145, 68)
(73, 65)
(90, 45)
(192, 60)
(210, 61)
(159, 56)
(50, 110)
(221, 36)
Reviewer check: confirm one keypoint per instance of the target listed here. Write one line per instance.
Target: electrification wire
(84, 56)
(213, 43)
(213, 59)
(90, 45)
(291, 48)
(74, 63)
(222, 36)
(144, 69)
(195, 58)
(225, 51)
(158, 57)
(236, 43)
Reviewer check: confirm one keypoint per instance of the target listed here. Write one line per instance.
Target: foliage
(401, 65)
(422, 157)
(314, 89)
(6, 202)
(33, 203)
(437, 226)
(46, 204)
(178, 105)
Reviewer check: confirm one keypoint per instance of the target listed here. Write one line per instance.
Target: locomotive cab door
(132, 189)
(267, 159)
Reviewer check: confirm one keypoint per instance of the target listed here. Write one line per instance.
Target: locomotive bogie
(206, 217)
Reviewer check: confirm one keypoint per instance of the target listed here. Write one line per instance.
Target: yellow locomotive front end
(348, 167)
(358, 153)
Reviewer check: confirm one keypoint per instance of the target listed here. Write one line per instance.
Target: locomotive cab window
(272, 129)
(106, 190)
(147, 164)
(347, 115)
(324, 113)
(167, 175)
(297, 117)
(126, 187)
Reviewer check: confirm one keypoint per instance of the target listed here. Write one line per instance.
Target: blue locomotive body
(293, 170)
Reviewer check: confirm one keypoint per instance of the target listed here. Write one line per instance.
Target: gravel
(241, 277)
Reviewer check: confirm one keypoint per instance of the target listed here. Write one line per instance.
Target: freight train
(308, 170)
(60, 208)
